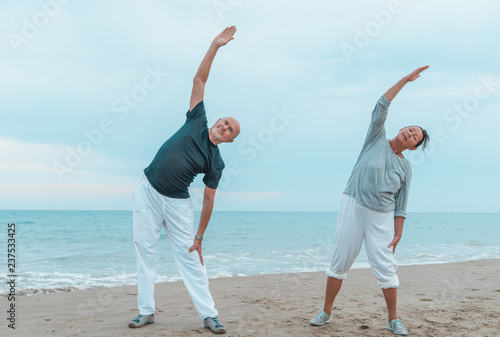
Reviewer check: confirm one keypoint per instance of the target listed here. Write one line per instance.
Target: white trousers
(355, 223)
(152, 211)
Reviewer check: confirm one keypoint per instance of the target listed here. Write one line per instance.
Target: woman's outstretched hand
(396, 88)
(415, 74)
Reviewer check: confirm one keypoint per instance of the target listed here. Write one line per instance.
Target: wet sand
(456, 299)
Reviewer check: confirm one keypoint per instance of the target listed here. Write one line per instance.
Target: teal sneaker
(396, 326)
(321, 319)
(213, 324)
(141, 321)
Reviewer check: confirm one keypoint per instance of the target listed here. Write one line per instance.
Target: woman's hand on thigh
(394, 243)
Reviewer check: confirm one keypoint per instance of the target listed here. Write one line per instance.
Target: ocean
(77, 250)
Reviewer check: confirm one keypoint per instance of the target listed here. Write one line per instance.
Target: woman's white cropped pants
(355, 223)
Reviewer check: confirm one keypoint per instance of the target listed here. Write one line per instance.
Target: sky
(91, 89)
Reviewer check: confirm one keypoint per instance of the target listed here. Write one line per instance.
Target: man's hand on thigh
(197, 246)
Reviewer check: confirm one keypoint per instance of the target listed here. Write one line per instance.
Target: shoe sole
(397, 334)
(219, 332)
(327, 322)
(131, 325)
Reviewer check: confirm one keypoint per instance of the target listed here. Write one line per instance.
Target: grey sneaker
(321, 319)
(396, 326)
(141, 321)
(213, 324)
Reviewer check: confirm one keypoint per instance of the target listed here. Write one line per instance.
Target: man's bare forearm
(201, 77)
(206, 214)
(206, 64)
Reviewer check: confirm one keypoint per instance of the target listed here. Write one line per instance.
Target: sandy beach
(456, 299)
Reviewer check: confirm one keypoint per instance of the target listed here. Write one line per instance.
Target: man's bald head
(225, 130)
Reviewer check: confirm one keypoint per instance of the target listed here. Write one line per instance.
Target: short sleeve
(212, 178)
(197, 112)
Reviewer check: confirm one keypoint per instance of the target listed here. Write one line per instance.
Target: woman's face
(410, 136)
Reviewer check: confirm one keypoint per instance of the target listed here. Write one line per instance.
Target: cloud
(243, 196)
(57, 191)
(28, 181)
(20, 158)
(66, 78)
(253, 195)
(241, 201)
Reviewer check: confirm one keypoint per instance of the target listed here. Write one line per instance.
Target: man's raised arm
(393, 91)
(202, 74)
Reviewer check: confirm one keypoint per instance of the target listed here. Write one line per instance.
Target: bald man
(162, 200)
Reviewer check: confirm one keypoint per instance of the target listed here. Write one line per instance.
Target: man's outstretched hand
(225, 36)
(415, 74)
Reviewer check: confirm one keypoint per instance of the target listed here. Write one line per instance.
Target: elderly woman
(373, 208)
